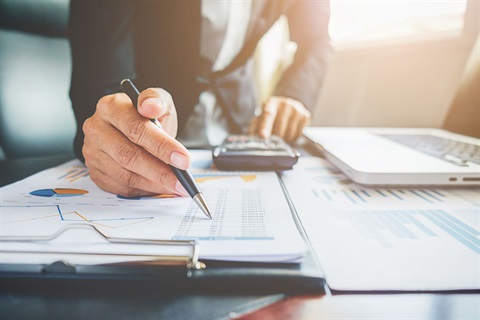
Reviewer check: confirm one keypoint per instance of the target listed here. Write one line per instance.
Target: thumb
(153, 103)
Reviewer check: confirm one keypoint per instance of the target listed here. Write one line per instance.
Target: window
(365, 20)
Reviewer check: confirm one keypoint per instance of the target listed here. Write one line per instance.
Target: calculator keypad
(246, 152)
(254, 143)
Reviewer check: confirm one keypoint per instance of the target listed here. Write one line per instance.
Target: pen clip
(132, 92)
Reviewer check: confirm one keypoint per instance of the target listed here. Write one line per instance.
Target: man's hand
(281, 116)
(126, 153)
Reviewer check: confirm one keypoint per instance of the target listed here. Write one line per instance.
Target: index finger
(143, 132)
(267, 120)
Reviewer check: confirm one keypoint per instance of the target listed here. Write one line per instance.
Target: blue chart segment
(58, 192)
(411, 224)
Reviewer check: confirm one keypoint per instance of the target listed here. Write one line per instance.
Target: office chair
(36, 118)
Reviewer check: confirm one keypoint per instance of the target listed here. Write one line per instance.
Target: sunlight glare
(375, 20)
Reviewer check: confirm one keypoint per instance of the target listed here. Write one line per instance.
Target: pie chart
(58, 192)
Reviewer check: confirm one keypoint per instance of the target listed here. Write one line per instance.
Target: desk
(90, 302)
(21, 300)
(378, 306)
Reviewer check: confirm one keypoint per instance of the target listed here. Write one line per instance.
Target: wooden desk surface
(372, 306)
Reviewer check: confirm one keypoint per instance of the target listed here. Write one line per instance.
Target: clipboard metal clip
(190, 261)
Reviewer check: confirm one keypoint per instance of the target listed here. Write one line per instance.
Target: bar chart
(411, 224)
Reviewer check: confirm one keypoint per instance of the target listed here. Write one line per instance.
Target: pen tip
(200, 201)
(206, 210)
(208, 214)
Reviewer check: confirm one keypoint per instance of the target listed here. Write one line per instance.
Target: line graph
(53, 213)
(74, 174)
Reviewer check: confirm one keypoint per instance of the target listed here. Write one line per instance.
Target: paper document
(387, 239)
(251, 217)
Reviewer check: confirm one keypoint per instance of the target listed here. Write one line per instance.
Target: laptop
(400, 156)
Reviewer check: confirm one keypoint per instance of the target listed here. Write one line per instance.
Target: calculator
(248, 152)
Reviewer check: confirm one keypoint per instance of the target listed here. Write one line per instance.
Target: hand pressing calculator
(247, 152)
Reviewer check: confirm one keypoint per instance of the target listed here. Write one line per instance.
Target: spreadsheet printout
(401, 238)
(251, 221)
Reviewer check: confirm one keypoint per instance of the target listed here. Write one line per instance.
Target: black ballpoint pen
(184, 176)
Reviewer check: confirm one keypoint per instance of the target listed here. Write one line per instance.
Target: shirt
(223, 30)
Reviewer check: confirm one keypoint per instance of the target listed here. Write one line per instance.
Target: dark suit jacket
(157, 43)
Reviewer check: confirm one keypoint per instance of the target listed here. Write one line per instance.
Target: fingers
(127, 154)
(285, 120)
(283, 117)
(119, 166)
(267, 119)
(111, 176)
(296, 122)
(304, 121)
(142, 132)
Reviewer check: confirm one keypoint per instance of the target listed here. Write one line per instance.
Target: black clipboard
(173, 272)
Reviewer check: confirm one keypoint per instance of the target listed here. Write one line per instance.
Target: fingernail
(151, 101)
(264, 133)
(179, 160)
(180, 189)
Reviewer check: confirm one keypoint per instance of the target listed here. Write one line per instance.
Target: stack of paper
(251, 221)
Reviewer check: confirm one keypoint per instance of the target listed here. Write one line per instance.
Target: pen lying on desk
(184, 176)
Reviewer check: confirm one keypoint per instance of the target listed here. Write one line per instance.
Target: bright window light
(364, 20)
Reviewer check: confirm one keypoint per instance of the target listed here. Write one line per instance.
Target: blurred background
(36, 118)
(394, 63)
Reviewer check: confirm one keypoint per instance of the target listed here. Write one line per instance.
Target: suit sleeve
(101, 40)
(308, 24)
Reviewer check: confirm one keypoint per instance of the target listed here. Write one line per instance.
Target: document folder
(189, 261)
(175, 272)
(254, 243)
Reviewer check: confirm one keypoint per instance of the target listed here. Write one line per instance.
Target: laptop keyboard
(456, 152)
